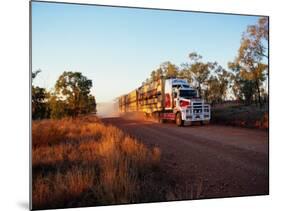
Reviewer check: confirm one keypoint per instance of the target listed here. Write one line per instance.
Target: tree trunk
(199, 90)
(259, 94)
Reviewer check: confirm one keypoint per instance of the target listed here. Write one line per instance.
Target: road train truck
(167, 99)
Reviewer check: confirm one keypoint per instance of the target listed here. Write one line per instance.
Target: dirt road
(215, 161)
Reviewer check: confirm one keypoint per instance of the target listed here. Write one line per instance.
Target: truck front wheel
(179, 121)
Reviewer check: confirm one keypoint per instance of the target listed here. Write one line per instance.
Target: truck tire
(179, 121)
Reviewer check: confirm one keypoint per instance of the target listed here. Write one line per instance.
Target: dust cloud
(107, 109)
(110, 109)
(135, 115)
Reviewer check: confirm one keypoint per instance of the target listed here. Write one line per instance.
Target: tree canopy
(71, 97)
(249, 65)
(72, 91)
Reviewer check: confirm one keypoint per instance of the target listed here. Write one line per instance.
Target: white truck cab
(184, 102)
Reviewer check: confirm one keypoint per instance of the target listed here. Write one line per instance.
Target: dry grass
(82, 162)
(241, 115)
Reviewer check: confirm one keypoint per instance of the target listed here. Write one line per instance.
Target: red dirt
(221, 161)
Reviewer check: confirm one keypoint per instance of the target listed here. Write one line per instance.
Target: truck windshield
(188, 94)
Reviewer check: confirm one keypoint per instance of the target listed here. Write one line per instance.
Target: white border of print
(14, 106)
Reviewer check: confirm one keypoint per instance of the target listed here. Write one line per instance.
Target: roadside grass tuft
(82, 162)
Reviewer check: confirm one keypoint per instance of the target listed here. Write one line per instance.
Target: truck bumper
(197, 114)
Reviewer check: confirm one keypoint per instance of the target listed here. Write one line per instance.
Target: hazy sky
(119, 47)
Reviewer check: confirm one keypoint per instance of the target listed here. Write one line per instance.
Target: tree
(40, 107)
(91, 106)
(224, 78)
(258, 34)
(218, 85)
(242, 88)
(58, 108)
(72, 95)
(34, 74)
(169, 70)
(165, 70)
(153, 75)
(212, 92)
(251, 55)
(156, 74)
(197, 71)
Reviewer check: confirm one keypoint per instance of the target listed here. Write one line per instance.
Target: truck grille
(197, 111)
(197, 104)
(197, 107)
(200, 108)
